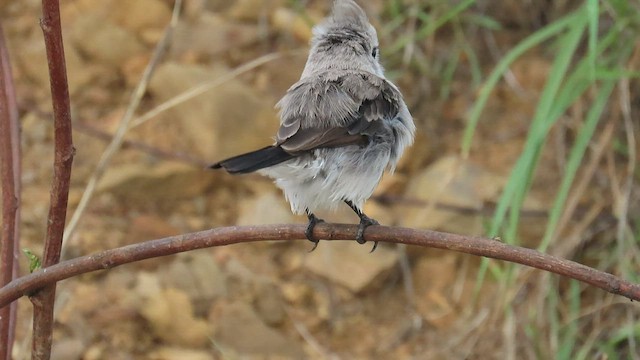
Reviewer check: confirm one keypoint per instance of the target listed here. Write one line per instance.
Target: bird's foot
(313, 221)
(365, 222)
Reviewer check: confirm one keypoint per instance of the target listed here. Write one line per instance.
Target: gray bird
(341, 125)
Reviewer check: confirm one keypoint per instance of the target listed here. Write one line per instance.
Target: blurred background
(528, 131)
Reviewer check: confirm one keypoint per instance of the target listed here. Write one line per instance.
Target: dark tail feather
(255, 160)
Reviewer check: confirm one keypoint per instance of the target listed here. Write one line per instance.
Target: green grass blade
(520, 179)
(533, 40)
(570, 333)
(593, 12)
(431, 25)
(575, 159)
(522, 172)
(445, 18)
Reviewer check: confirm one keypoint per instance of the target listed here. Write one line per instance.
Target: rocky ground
(267, 300)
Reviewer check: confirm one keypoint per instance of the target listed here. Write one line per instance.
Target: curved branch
(239, 234)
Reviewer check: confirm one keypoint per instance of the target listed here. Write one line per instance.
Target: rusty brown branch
(10, 175)
(43, 301)
(240, 234)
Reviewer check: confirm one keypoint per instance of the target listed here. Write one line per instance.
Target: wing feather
(337, 110)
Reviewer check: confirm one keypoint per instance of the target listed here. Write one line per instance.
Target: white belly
(326, 178)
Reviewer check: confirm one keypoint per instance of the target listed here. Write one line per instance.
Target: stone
(239, 329)
(198, 275)
(350, 264)
(144, 182)
(252, 10)
(268, 208)
(211, 35)
(297, 293)
(141, 14)
(32, 60)
(193, 9)
(214, 121)
(176, 353)
(449, 181)
(289, 22)
(105, 41)
(148, 226)
(269, 303)
(171, 318)
(434, 278)
(67, 349)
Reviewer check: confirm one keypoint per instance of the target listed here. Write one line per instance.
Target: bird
(342, 124)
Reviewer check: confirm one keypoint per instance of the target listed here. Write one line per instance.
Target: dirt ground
(276, 300)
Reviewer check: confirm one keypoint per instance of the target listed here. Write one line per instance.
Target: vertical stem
(43, 301)
(10, 177)
(64, 151)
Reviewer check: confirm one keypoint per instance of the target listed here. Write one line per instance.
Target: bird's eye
(374, 52)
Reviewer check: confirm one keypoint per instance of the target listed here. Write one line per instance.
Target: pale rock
(143, 182)
(215, 5)
(141, 14)
(32, 60)
(434, 279)
(198, 275)
(350, 264)
(133, 68)
(382, 213)
(147, 285)
(216, 120)
(175, 353)
(105, 41)
(212, 35)
(291, 261)
(238, 271)
(297, 293)
(95, 352)
(34, 130)
(170, 315)
(152, 36)
(268, 208)
(288, 21)
(269, 303)
(193, 9)
(449, 181)
(67, 349)
(239, 329)
(252, 10)
(148, 226)
(80, 7)
(278, 75)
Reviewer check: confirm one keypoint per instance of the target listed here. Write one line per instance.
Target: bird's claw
(313, 221)
(365, 222)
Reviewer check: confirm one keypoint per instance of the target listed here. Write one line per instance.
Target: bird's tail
(255, 160)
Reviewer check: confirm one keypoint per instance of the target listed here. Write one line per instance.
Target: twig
(209, 85)
(580, 188)
(44, 300)
(152, 150)
(125, 123)
(487, 209)
(491, 248)
(308, 337)
(10, 175)
(625, 199)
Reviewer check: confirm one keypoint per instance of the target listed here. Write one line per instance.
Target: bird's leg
(313, 220)
(365, 222)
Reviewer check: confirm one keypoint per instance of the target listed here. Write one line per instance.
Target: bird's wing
(340, 111)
